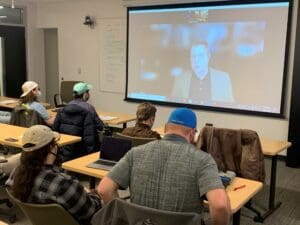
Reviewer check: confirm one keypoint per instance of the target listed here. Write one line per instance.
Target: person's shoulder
(219, 77)
(197, 154)
(127, 131)
(35, 104)
(218, 73)
(57, 172)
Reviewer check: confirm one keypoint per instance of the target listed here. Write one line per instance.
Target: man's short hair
(201, 42)
(145, 111)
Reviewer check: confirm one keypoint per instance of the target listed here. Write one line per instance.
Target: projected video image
(191, 57)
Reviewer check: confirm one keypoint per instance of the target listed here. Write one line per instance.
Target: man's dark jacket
(75, 120)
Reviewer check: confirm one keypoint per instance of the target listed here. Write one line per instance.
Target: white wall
(79, 60)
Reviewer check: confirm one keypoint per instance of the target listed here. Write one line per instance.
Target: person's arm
(50, 121)
(81, 204)
(219, 207)
(119, 176)
(108, 189)
(98, 122)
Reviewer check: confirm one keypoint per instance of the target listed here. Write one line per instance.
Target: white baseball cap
(27, 87)
(37, 137)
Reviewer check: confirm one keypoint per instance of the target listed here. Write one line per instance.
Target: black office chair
(65, 94)
(134, 140)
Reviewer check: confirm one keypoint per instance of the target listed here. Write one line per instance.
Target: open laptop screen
(114, 148)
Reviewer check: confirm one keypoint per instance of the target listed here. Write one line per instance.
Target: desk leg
(272, 205)
(236, 218)
(92, 182)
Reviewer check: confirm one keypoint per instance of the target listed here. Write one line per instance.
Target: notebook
(112, 150)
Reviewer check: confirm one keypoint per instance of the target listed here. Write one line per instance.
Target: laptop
(112, 150)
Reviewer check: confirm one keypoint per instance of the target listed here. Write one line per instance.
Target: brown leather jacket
(236, 150)
(141, 130)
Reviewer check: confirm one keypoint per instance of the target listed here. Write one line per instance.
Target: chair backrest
(237, 150)
(66, 90)
(119, 211)
(134, 140)
(46, 214)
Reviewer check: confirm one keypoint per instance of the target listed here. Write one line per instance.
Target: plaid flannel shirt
(53, 186)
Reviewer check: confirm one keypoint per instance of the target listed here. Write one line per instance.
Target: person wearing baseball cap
(30, 99)
(170, 174)
(79, 118)
(81, 92)
(38, 180)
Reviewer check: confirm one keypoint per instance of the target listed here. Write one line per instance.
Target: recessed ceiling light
(1, 7)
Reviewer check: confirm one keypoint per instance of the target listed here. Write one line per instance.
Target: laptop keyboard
(105, 162)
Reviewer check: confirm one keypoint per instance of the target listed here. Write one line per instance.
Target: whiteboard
(112, 54)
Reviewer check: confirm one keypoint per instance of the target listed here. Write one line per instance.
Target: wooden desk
(10, 103)
(16, 132)
(120, 117)
(272, 148)
(269, 148)
(237, 198)
(79, 166)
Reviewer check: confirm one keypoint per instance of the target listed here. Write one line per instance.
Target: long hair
(30, 97)
(26, 172)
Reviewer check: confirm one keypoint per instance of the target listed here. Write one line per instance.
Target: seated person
(30, 99)
(81, 119)
(202, 83)
(81, 97)
(145, 117)
(170, 174)
(38, 180)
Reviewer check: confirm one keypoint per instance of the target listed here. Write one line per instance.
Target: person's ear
(86, 96)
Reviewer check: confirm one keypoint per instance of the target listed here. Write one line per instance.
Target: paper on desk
(8, 101)
(106, 118)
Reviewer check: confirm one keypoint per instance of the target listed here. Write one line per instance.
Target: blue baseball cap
(82, 87)
(184, 117)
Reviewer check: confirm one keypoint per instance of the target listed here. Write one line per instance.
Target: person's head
(31, 92)
(146, 113)
(199, 57)
(81, 90)
(39, 148)
(183, 122)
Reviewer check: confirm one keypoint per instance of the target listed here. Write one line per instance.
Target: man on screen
(203, 84)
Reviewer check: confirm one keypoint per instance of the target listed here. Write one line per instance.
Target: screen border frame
(281, 114)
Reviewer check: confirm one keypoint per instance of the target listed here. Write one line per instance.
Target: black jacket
(75, 120)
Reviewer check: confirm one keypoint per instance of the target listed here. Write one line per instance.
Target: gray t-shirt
(40, 109)
(168, 174)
